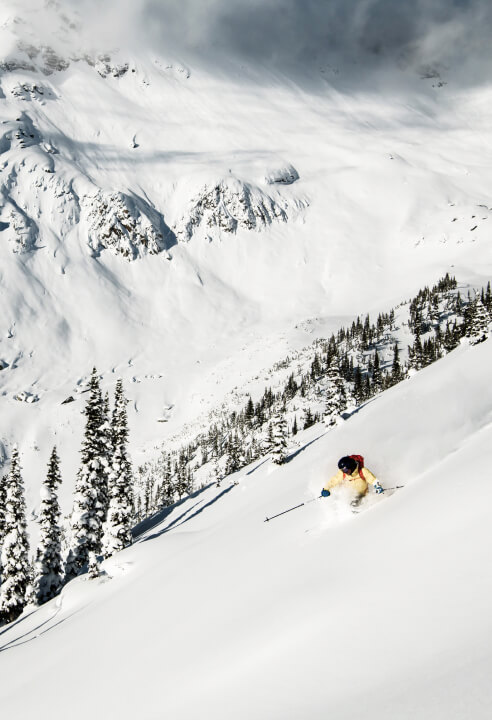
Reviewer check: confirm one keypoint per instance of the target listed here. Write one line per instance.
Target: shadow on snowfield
(140, 530)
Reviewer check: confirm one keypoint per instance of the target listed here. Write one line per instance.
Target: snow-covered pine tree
(377, 381)
(488, 298)
(120, 435)
(168, 489)
(48, 570)
(335, 396)
(3, 497)
(93, 569)
(416, 353)
(90, 496)
(479, 319)
(279, 432)
(15, 553)
(216, 473)
(117, 529)
(396, 370)
(233, 462)
(107, 450)
(358, 388)
(308, 419)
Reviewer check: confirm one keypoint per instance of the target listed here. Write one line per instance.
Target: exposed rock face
(106, 66)
(16, 226)
(282, 176)
(126, 225)
(52, 62)
(31, 91)
(229, 205)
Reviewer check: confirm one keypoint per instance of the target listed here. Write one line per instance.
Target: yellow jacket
(354, 481)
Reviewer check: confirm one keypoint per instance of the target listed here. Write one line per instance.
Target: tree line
(101, 520)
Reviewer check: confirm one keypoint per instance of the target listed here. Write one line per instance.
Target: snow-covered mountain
(187, 220)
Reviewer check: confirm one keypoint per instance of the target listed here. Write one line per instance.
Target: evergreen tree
(479, 319)
(90, 498)
(376, 374)
(107, 450)
(279, 432)
(3, 500)
(450, 338)
(417, 353)
(48, 566)
(396, 371)
(93, 566)
(190, 481)
(233, 462)
(308, 419)
(15, 553)
(358, 386)
(334, 401)
(249, 412)
(181, 479)
(488, 299)
(168, 483)
(216, 473)
(117, 528)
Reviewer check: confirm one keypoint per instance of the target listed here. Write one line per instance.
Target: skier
(352, 473)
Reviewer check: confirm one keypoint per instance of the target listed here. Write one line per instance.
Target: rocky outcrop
(230, 205)
(31, 91)
(285, 175)
(105, 66)
(17, 227)
(126, 225)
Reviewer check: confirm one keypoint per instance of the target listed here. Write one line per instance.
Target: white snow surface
(215, 613)
(375, 190)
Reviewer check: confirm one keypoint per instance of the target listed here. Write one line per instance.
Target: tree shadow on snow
(185, 517)
(301, 449)
(257, 467)
(151, 522)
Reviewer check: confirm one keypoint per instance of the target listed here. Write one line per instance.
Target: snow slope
(319, 613)
(184, 227)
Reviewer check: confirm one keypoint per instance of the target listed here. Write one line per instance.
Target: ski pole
(292, 508)
(397, 487)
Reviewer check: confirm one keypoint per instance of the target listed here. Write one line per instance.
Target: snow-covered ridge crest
(229, 204)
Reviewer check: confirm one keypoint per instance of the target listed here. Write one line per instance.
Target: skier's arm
(371, 479)
(335, 480)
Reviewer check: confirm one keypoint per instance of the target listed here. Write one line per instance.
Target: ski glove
(325, 493)
(378, 488)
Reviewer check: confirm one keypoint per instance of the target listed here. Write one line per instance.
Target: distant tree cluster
(341, 373)
(440, 319)
(102, 515)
